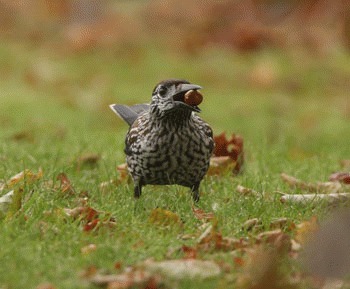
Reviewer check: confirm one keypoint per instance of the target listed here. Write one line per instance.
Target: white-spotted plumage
(168, 143)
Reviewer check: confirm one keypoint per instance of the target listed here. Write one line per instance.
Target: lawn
(293, 112)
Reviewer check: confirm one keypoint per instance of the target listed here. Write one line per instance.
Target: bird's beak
(186, 87)
(180, 93)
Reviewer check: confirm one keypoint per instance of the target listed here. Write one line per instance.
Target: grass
(54, 109)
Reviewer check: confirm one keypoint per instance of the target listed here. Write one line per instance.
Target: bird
(167, 142)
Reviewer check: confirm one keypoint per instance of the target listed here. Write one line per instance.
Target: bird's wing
(129, 113)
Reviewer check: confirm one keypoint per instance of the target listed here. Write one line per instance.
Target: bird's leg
(195, 192)
(137, 188)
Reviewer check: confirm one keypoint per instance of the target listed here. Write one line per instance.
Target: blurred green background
(275, 72)
(268, 68)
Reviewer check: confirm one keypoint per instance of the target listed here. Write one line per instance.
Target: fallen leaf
(187, 236)
(5, 202)
(220, 165)
(123, 172)
(66, 186)
(232, 147)
(185, 269)
(336, 198)
(98, 224)
(136, 278)
(239, 261)
(189, 252)
(89, 226)
(118, 265)
(328, 187)
(201, 215)
(245, 191)
(342, 177)
(161, 217)
(277, 238)
(84, 213)
(212, 240)
(27, 175)
(282, 223)
(250, 224)
(17, 201)
(90, 218)
(205, 234)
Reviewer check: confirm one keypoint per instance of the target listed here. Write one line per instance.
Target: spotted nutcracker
(167, 143)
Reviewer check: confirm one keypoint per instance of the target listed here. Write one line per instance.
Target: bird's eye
(162, 90)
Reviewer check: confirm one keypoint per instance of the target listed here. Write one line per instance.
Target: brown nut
(193, 97)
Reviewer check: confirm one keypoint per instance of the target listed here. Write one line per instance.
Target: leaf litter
(245, 251)
(12, 201)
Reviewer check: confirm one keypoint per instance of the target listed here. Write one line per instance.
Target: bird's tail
(129, 113)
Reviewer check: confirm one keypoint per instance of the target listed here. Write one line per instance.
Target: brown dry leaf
(189, 252)
(245, 191)
(232, 147)
(84, 213)
(250, 224)
(184, 269)
(11, 202)
(342, 177)
(212, 240)
(97, 224)
(327, 187)
(331, 198)
(164, 218)
(89, 226)
(27, 175)
(282, 223)
(220, 165)
(138, 278)
(277, 238)
(118, 265)
(201, 215)
(123, 173)
(239, 261)
(66, 186)
(89, 217)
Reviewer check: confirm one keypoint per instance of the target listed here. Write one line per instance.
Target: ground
(292, 111)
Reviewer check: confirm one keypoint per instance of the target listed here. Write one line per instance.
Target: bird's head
(169, 96)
